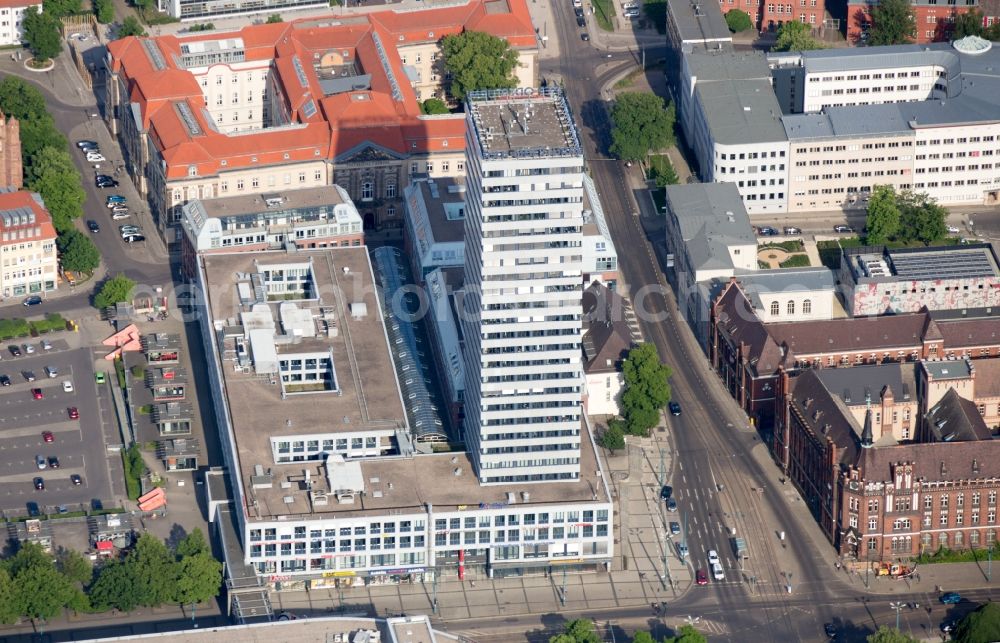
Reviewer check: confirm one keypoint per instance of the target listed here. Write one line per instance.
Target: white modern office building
(522, 305)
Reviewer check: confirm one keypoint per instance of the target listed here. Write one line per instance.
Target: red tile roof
(25, 199)
(387, 114)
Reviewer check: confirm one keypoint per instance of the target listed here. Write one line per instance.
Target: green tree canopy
(687, 634)
(53, 175)
(738, 20)
(643, 637)
(42, 33)
(883, 216)
(77, 252)
(642, 124)
(153, 571)
(20, 100)
(42, 591)
(647, 389)
(667, 175)
(114, 290)
(921, 219)
(113, 588)
(886, 634)
(192, 544)
(274, 18)
(893, 22)
(434, 106)
(9, 613)
(199, 578)
(61, 8)
(981, 626)
(796, 36)
(104, 10)
(478, 60)
(74, 566)
(579, 630)
(131, 27)
(613, 438)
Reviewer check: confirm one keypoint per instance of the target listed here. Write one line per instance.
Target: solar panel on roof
(945, 265)
(184, 110)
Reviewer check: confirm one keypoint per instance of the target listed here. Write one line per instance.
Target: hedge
(11, 328)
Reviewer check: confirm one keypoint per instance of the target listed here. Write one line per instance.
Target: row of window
(790, 307)
(931, 541)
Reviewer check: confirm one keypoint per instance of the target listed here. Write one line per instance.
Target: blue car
(116, 198)
(950, 598)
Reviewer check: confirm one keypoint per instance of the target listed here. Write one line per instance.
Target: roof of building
(858, 385)
(876, 334)
(238, 205)
(956, 419)
(382, 113)
(735, 93)
(824, 414)
(786, 280)
(878, 264)
(608, 336)
(698, 21)
(934, 462)
(952, 369)
(987, 377)
(738, 321)
(441, 204)
(508, 123)
(23, 216)
(711, 219)
(968, 333)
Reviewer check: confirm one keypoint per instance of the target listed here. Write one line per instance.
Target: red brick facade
(934, 17)
(10, 153)
(768, 15)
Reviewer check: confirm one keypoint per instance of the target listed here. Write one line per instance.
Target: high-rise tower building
(523, 302)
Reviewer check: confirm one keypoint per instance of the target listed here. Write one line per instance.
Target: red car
(73, 413)
(701, 577)
(48, 437)
(37, 393)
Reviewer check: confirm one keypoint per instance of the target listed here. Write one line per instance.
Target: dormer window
(192, 170)
(253, 159)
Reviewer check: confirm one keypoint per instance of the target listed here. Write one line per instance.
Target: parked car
(51, 371)
(701, 577)
(585, 36)
(29, 376)
(947, 626)
(766, 231)
(94, 157)
(85, 144)
(675, 408)
(46, 345)
(15, 350)
(37, 393)
(671, 505)
(126, 230)
(4, 380)
(682, 551)
(105, 181)
(53, 462)
(76, 479)
(93, 226)
(99, 377)
(578, 11)
(67, 386)
(675, 528)
(950, 598)
(33, 510)
(135, 238)
(843, 228)
(118, 216)
(116, 198)
(581, 22)
(29, 349)
(39, 484)
(666, 492)
(953, 229)
(40, 462)
(48, 437)
(792, 230)
(74, 413)
(829, 630)
(33, 300)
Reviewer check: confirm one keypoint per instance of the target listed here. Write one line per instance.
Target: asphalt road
(78, 444)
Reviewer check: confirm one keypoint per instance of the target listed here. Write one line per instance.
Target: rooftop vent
(359, 310)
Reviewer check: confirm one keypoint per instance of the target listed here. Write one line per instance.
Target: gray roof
(788, 280)
(956, 419)
(949, 370)
(835, 121)
(855, 385)
(711, 218)
(698, 20)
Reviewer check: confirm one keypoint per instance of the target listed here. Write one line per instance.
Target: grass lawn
(604, 12)
(792, 245)
(796, 261)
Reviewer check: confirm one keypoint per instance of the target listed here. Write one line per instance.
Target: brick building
(934, 17)
(11, 172)
(768, 15)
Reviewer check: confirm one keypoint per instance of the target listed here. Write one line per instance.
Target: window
(872, 524)
(791, 307)
(390, 191)
(807, 306)
(367, 191)
(775, 309)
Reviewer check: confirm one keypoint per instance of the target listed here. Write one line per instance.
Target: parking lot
(25, 420)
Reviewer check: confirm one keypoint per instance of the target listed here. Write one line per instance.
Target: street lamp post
(898, 606)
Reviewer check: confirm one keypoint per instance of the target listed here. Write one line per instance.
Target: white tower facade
(522, 306)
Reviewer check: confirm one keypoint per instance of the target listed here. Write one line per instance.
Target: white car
(713, 558)
(96, 158)
(953, 229)
(68, 386)
(717, 572)
(117, 216)
(46, 345)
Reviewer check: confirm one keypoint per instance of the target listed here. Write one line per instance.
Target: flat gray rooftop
(255, 203)
(944, 263)
(711, 219)
(949, 370)
(444, 200)
(516, 123)
(698, 20)
(788, 280)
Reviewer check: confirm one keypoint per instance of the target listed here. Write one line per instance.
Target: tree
(77, 252)
(199, 578)
(478, 60)
(114, 290)
(894, 22)
(53, 175)
(61, 8)
(153, 571)
(921, 219)
(131, 27)
(113, 588)
(274, 18)
(687, 634)
(643, 637)
(667, 175)
(613, 438)
(580, 630)
(883, 216)
(434, 106)
(886, 634)
(8, 601)
(738, 21)
(647, 390)
(104, 10)
(981, 626)
(642, 124)
(20, 100)
(41, 32)
(74, 566)
(41, 589)
(796, 36)
(192, 544)
(969, 23)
